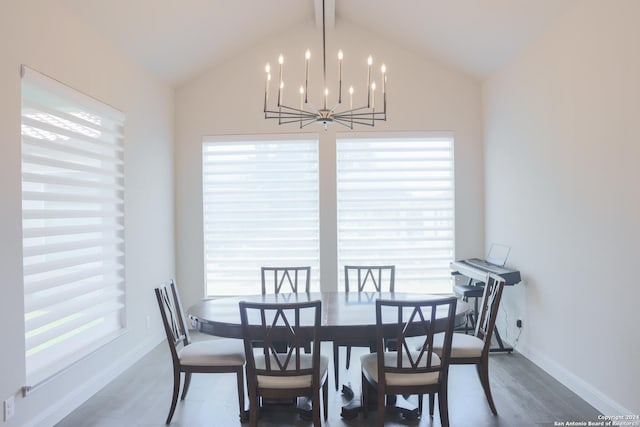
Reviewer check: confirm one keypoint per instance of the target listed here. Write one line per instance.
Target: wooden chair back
(494, 285)
(266, 325)
(379, 277)
(285, 279)
(173, 318)
(406, 321)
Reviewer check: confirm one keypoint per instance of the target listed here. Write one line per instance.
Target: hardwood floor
(524, 396)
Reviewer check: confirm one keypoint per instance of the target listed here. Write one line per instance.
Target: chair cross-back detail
(276, 374)
(408, 370)
(378, 278)
(212, 356)
(474, 349)
(285, 279)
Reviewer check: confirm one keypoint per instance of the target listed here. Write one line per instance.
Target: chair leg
(325, 399)
(176, 390)
(420, 398)
(187, 383)
(336, 363)
(315, 409)
(254, 404)
(382, 404)
(483, 374)
(365, 397)
(432, 401)
(348, 356)
(240, 384)
(443, 406)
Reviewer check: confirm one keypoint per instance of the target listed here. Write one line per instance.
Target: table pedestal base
(398, 404)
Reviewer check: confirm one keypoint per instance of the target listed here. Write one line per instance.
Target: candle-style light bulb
(383, 70)
(326, 95)
(267, 69)
(369, 63)
(373, 95)
(351, 97)
(307, 57)
(301, 97)
(280, 100)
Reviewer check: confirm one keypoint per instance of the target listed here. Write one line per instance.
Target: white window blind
(73, 224)
(395, 200)
(260, 200)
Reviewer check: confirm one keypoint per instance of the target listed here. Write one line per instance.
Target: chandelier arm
(307, 123)
(292, 110)
(301, 110)
(353, 122)
(359, 119)
(374, 115)
(287, 120)
(287, 108)
(284, 115)
(345, 123)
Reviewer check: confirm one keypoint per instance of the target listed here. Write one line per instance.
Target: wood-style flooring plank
(524, 395)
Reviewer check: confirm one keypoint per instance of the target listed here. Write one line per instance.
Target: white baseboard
(58, 410)
(586, 391)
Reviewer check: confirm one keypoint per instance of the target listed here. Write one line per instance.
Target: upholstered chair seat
(369, 364)
(217, 352)
(462, 346)
(296, 381)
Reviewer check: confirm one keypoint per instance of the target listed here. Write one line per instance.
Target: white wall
(424, 95)
(38, 34)
(562, 152)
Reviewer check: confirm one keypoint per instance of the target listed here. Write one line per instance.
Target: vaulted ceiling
(177, 40)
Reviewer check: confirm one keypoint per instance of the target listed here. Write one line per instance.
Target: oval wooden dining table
(344, 316)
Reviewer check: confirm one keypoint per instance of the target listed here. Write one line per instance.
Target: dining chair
(211, 356)
(285, 279)
(273, 374)
(408, 370)
(363, 278)
(474, 349)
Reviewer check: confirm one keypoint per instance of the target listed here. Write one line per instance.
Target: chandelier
(307, 113)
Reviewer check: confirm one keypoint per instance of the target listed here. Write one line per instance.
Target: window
(395, 201)
(260, 201)
(73, 224)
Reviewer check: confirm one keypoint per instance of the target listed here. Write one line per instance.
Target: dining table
(345, 315)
